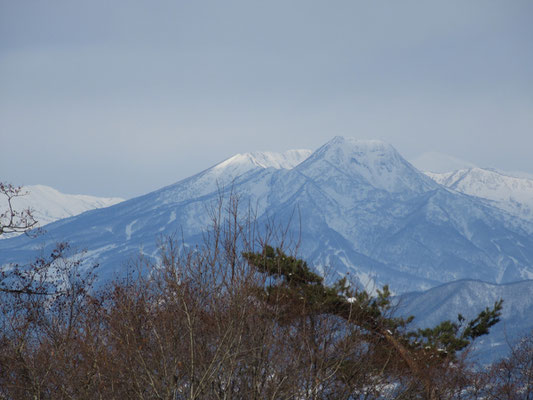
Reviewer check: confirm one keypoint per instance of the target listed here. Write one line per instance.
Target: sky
(119, 98)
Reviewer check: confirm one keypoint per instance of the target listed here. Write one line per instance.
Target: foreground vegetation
(231, 319)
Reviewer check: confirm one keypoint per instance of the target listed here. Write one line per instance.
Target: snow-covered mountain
(510, 193)
(263, 159)
(49, 205)
(360, 208)
(468, 298)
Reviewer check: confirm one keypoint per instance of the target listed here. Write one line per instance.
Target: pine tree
(292, 285)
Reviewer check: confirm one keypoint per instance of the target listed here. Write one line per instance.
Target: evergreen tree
(292, 285)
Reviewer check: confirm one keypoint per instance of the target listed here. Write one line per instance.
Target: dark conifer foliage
(295, 282)
(296, 286)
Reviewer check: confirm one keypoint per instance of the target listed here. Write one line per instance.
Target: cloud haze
(120, 98)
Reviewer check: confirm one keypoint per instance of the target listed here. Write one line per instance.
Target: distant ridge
(468, 297)
(512, 194)
(49, 205)
(362, 208)
(266, 159)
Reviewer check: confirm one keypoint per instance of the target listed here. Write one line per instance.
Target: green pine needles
(293, 283)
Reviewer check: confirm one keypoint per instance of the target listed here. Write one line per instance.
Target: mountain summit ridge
(267, 159)
(49, 205)
(362, 209)
(372, 161)
(510, 193)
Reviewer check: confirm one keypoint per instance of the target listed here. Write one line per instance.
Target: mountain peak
(373, 161)
(350, 143)
(49, 205)
(359, 151)
(265, 159)
(228, 171)
(514, 195)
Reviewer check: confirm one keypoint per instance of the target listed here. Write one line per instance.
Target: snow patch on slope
(129, 229)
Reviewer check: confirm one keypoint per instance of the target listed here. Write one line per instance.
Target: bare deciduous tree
(13, 220)
(206, 322)
(512, 377)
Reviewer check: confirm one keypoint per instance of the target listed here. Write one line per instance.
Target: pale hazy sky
(119, 98)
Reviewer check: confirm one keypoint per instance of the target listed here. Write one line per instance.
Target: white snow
(373, 161)
(265, 159)
(357, 206)
(172, 217)
(49, 205)
(514, 195)
(129, 229)
(393, 223)
(225, 173)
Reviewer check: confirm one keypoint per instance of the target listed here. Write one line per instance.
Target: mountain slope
(509, 193)
(356, 206)
(469, 297)
(50, 205)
